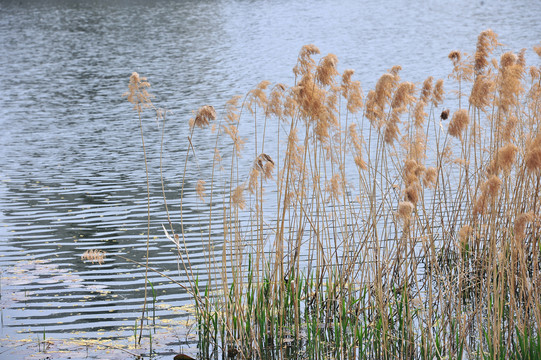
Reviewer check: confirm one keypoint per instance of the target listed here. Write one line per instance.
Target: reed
(373, 228)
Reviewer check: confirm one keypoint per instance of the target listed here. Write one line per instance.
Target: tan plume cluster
(203, 117)
(489, 192)
(94, 255)
(486, 43)
(437, 94)
(504, 160)
(335, 187)
(258, 97)
(352, 92)
(391, 128)
(305, 62)
(276, 102)
(510, 84)
(137, 92)
(412, 175)
(464, 235)
(232, 119)
(384, 89)
(426, 90)
(356, 141)
(237, 198)
(459, 123)
(419, 113)
(533, 154)
(310, 97)
(200, 189)
(521, 222)
(263, 165)
(537, 50)
(405, 209)
(430, 177)
(378, 99)
(326, 71)
(403, 96)
(482, 90)
(462, 68)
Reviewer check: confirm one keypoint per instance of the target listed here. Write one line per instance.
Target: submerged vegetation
(403, 223)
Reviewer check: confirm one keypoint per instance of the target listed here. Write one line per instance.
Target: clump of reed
(373, 227)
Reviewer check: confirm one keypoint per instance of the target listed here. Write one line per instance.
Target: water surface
(72, 173)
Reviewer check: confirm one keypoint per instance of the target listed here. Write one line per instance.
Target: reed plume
(137, 92)
(459, 123)
(200, 189)
(203, 117)
(352, 92)
(482, 91)
(486, 43)
(437, 94)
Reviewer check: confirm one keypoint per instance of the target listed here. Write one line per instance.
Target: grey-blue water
(71, 167)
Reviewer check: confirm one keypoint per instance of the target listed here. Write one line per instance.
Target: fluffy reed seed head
(426, 90)
(486, 43)
(506, 157)
(403, 96)
(356, 141)
(521, 222)
(509, 129)
(430, 177)
(335, 187)
(352, 92)
(258, 97)
(276, 102)
(508, 59)
(94, 255)
(310, 97)
(437, 94)
(533, 155)
(391, 128)
(384, 88)
(200, 189)
(493, 185)
(137, 92)
(482, 90)
(326, 71)
(373, 112)
(410, 167)
(305, 62)
(405, 209)
(510, 84)
(464, 235)
(203, 117)
(459, 123)
(412, 193)
(419, 114)
(489, 191)
(237, 198)
(537, 50)
(264, 165)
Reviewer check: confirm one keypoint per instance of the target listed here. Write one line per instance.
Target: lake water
(71, 167)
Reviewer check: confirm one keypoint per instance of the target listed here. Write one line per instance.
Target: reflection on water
(72, 174)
